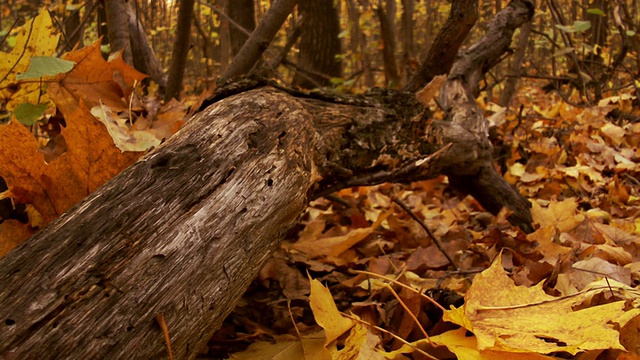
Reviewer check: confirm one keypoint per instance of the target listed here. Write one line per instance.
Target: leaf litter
(567, 290)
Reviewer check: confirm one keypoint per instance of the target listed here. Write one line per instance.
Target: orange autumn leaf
(54, 184)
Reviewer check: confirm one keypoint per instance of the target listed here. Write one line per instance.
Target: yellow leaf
(37, 37)
(310, 347)
(562, 215)
(360, 345)
(326, 313)
(505, 316)
(465, 347)
(336, 245)
(547, 246)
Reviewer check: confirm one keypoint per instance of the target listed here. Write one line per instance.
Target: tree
(260, 38)
(386, 12)
(179, 235)
(242, 13)
(180, 50)
(319, 44)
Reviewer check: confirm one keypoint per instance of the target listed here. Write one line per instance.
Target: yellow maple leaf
(37, 37)
(504, 316)
(336, 245)
(562, 215)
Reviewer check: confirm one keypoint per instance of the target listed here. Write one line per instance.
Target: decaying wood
(183, 231)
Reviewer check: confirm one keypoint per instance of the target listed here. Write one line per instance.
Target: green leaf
(29, 114)
(581, 26)
(631, 33)
(595, 11)
(578, 26)
(46, 66)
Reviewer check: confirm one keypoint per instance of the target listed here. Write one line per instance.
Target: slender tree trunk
(180, 50)
(117, 24)
(74, 29)
(319, 44)
(260, 39)
(243, 13)
(386, 15)
(515, 68)
(462, 17)
(359, 43)
(144, 57)
(408, 51)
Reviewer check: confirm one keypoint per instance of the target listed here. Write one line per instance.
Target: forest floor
(579, 168)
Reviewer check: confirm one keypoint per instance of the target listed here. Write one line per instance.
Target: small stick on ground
(424, 226)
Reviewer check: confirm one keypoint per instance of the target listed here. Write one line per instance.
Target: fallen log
(183, 231)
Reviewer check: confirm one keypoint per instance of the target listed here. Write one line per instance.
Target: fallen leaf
(326, 313)
(505, 316)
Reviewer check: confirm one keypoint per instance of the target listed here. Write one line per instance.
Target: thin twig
(335, 198)
(356, 319)
(435, 303)
(409, 312)
(424, 226)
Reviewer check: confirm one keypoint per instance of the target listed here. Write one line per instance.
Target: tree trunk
(183, 231)
(73, 29)
(359, 43)
(260, 39)
(145, 59)
(515, 68)
(386, 15)
(180, 50)
(119, 38)
(242, 12)
(319, 44)
(408, 48)
(462, 17)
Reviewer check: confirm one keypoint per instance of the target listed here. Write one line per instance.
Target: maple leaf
(507, 317)
(53, 185)
(37, 37)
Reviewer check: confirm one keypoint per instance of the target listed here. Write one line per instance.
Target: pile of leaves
(569, 289)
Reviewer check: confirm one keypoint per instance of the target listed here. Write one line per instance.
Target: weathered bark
(468, 130)
(260, 39)
(242, 12)
(180, 50)
(319, 45)
(183, 231)
(462, 17)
